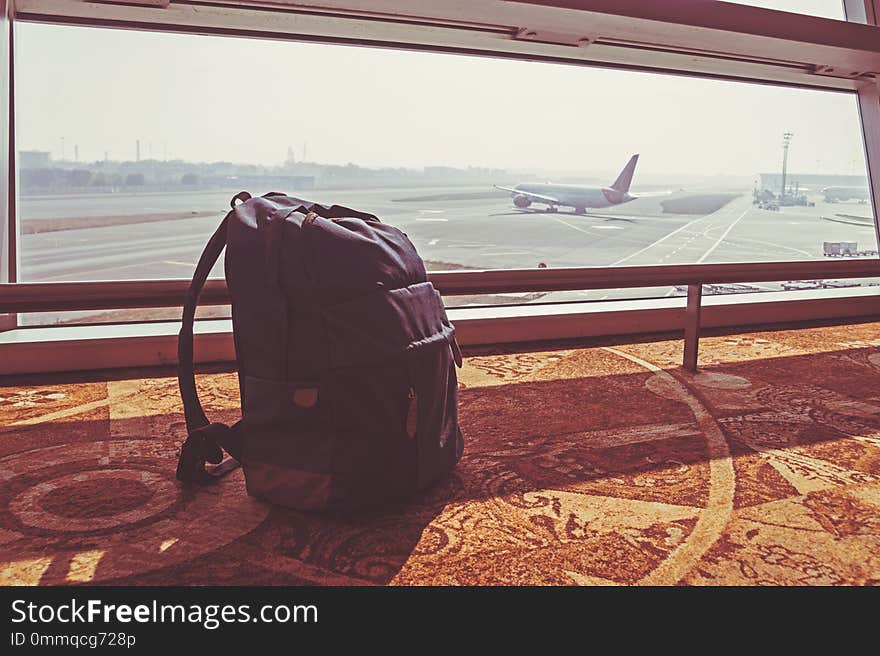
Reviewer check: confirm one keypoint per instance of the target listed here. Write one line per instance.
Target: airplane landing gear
(580, 210)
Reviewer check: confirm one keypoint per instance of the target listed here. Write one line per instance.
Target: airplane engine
(522, 201)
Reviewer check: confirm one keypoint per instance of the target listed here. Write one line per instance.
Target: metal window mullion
(8, 223)
(869, 112)
(868, 11)
(12, 161)
(794, 50)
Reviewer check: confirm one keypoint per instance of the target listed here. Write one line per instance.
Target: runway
(480, 233)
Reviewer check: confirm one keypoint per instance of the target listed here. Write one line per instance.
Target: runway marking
(188, 265)
(432, 211)
(662, 239)
(770, 243)
(436, 220)
(433, 242)
(573, 227)
(89, 272)
(607, 227)
(724, 234)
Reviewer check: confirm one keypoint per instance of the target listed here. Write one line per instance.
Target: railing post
(692, 327)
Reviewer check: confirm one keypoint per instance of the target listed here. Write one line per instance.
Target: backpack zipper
(412, 413)
(308, 253)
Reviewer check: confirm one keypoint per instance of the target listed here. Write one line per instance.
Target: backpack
(345, 356)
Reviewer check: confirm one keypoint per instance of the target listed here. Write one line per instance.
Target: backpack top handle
(305, 207)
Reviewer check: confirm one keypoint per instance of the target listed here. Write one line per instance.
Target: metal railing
(108, 295)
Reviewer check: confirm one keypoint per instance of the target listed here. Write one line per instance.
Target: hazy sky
(216, 98)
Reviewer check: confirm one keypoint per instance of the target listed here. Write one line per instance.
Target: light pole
(786, 140)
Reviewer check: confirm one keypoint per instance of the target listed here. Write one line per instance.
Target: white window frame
(690, 37)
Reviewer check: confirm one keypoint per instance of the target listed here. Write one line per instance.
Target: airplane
(837, 194)
(576, 196)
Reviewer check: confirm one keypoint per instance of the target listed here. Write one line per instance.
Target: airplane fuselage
(576, 196)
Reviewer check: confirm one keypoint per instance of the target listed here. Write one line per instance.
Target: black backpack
(346, 359)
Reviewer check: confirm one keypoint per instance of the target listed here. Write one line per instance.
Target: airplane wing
(535, 197)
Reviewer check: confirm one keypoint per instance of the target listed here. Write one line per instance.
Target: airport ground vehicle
(844, 249)
(819, 284)
(727, 288)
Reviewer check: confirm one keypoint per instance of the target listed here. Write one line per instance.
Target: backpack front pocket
(286, 450)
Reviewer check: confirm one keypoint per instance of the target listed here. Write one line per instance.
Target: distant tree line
(49, 178)
(106, 176)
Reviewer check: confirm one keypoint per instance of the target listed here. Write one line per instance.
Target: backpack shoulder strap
(204, 439)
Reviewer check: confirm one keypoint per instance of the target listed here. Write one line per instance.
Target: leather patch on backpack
(305, 397)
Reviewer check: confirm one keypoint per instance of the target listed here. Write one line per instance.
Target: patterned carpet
(583, 465)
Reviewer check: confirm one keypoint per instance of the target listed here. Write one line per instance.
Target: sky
(219, 98)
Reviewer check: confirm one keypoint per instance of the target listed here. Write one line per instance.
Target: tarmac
(451, 228)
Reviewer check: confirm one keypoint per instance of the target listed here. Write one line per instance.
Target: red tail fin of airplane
(626, 175)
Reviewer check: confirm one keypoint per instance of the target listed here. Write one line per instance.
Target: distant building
(442, 172)
(270, 182)
(810, 180)
(33, 159)
(302, 181)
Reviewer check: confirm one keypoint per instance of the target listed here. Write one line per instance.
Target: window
(131, 144)
(821, 8)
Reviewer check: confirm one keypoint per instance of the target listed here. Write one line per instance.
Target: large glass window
(821, 8)
(131, 144)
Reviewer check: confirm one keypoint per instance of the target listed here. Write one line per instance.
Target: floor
(584, 464)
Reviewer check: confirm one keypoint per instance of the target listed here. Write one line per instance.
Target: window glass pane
(822, 8)
(132, 144)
